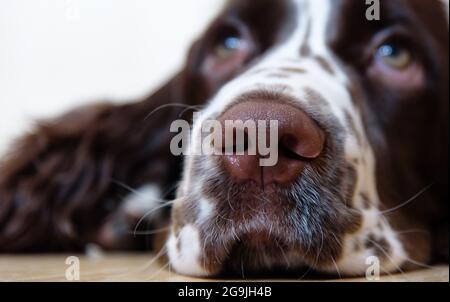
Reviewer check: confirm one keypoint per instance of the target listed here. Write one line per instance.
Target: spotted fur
(315, 79)
(379, 189)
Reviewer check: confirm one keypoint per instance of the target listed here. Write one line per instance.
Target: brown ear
(61, 182)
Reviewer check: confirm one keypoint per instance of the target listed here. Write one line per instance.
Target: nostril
(287, 146)
(306, 146)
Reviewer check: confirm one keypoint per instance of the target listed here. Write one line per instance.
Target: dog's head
(362, 112)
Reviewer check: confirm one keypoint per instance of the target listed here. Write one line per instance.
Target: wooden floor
(137, 267)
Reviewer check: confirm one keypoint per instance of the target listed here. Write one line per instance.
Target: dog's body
(366, 174)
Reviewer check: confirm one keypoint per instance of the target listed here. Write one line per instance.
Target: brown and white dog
(363, 166)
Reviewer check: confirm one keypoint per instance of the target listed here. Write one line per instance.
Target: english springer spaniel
(362, 109)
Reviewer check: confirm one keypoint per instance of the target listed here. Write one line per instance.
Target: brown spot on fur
(381, 247)
(305, 49)
(356, 161)
(258, 71)
(325, 64)
(380, 225)
(293, 70)
(315, 98)
(183, 213)
(365, 201)
(278, 75)
(349, 185)
(280, 88)
(355, 94)
(357, 245)
(352, 126)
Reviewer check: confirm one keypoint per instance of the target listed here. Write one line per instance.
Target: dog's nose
(299, 140)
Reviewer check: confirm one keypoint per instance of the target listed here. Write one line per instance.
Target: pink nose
(299, 140)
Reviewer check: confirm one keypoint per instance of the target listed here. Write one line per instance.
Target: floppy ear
(60, 184)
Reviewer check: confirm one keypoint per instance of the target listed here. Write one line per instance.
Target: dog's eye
(395, 61)
(227, 47)
(229, 41)
(394, 56)
(230, 46)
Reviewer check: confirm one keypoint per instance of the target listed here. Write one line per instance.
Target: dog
(362, 171)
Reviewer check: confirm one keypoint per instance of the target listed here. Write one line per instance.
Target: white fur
(187, 259)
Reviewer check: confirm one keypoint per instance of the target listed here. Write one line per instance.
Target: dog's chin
(257, 230)
(264, 254)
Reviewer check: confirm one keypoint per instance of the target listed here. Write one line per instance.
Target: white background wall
(56, 54)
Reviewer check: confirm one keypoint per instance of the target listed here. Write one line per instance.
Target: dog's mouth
(244, 227)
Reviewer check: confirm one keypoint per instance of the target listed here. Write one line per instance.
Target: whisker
(321, 244)
(136, 192)
(198, 108)
(408, 201)
(174, 105)
(152, 232)
(337, 268)
(386, 273)
(305, 273)
(389, 257)
(228, 198)
(160, 254)
(169, 190)
(310, 267)
(163, 205)
(421, 264)
(412, 231)
(242, 269)
(126, 187)
(146, 266)
(283, 253)
(306, 253)
(152, 276)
